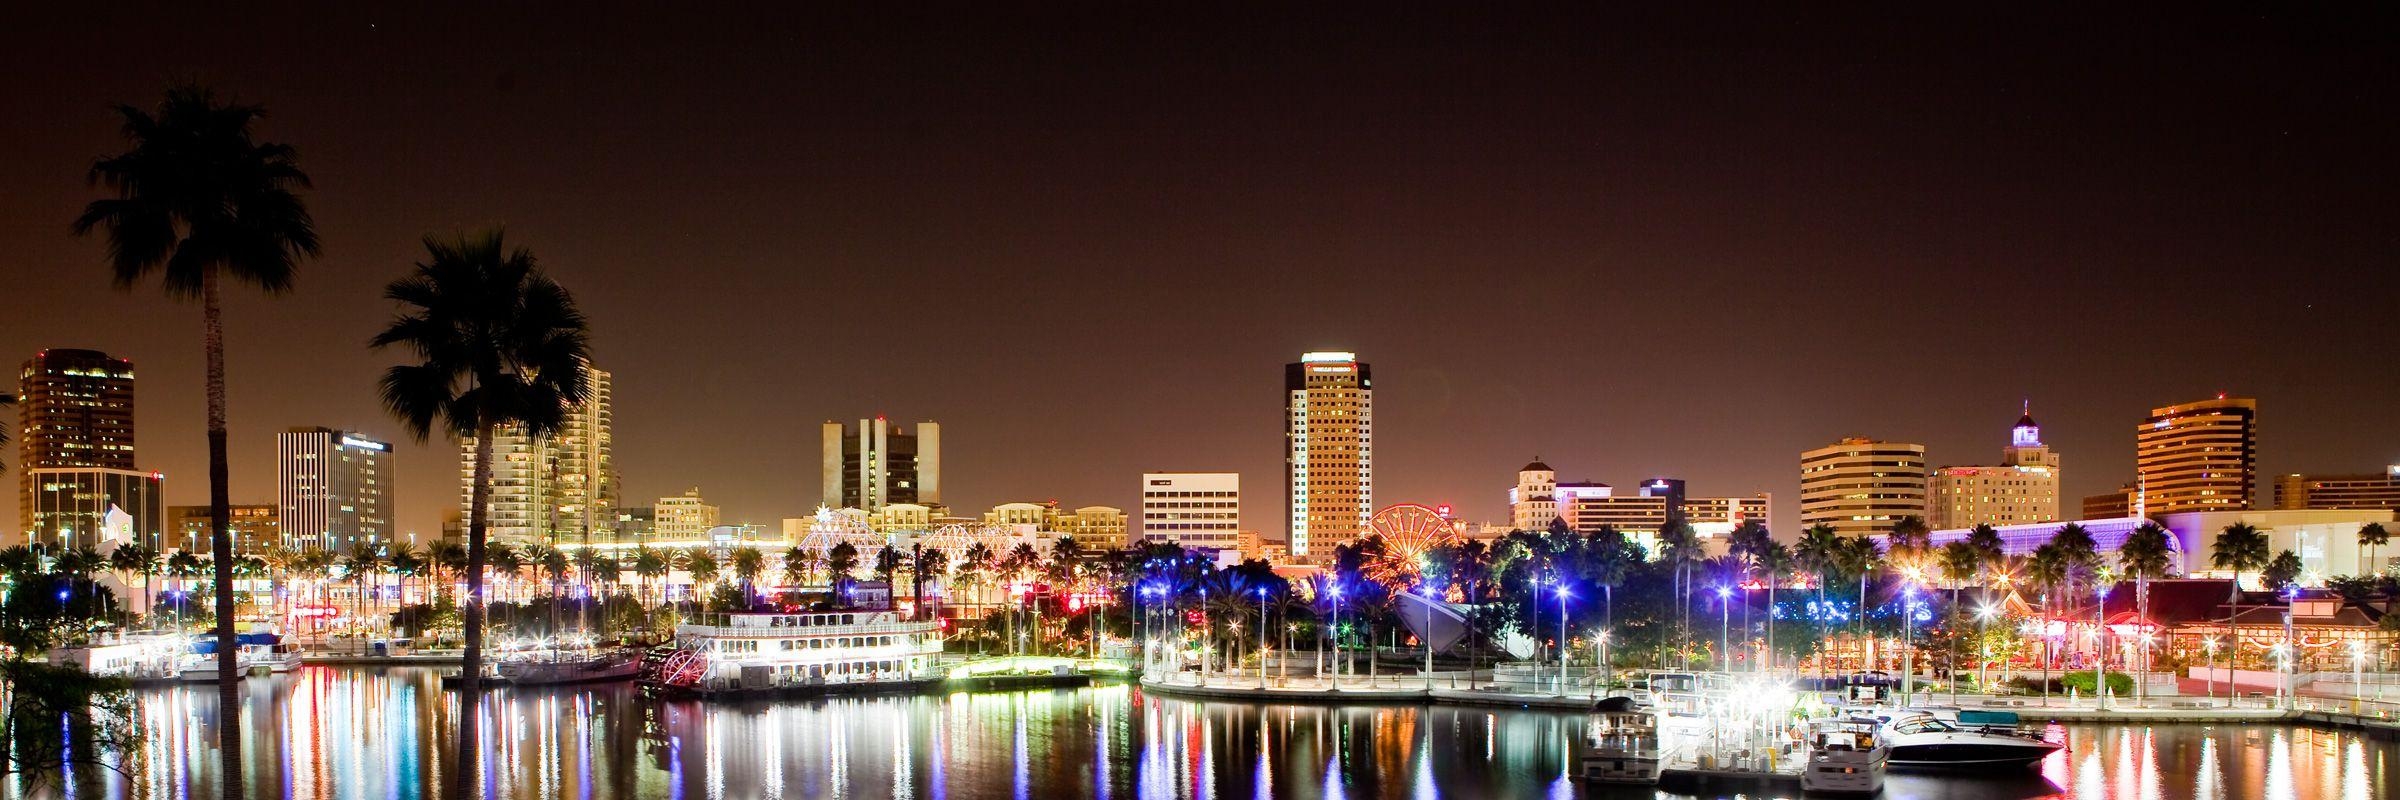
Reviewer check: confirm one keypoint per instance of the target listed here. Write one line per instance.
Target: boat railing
(804, 631)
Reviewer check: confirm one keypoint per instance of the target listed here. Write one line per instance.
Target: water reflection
(366, 733)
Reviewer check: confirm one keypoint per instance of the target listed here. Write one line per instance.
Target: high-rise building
(94, 506)
(2200, 456)
(2118, 504)
(2298, 491)
(1329, 451)
(334, 489)
(559, 488)
(682, 518)
(1669, 489)
(1533, 503)
(74, 409)
(880, 464)
(2022, 489)
(1860, 486)
(254, 526)
(1200, 510)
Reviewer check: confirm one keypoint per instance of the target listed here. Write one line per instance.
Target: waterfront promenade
(1462, 689)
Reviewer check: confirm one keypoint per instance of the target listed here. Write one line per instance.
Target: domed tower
(2025, 448)
(1533, 503)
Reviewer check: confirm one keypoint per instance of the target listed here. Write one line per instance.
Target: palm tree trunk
(229, 687)
(470, 679)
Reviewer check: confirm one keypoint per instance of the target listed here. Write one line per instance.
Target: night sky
(1087, 243)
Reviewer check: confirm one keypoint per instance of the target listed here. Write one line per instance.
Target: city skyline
(1638, 284)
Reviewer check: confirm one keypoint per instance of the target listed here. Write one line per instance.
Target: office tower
(1200, 510)
(1861, 486)
(2022, 488)
(74, 409)
(94, 507)
(254, 526)
(2118, 504)
(685, 518)
(881, 464)
(1329, 451)
(333, 489)
(2200, 456)
(2299, 491)
(560, 488)
(1671, 490)
(1533, 502)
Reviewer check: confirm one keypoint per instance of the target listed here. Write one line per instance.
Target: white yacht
(257, 653)
(1846, 755)
(801, 652)
(1919, 739)
(1621, 744)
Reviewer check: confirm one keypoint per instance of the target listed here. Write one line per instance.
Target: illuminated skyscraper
(1329, 451)
(560, 488)
(1861, 486)
(333, 489)
(74, 409)
(2199, 456)
(882, 464)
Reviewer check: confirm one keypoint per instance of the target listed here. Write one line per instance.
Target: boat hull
(1969, 754)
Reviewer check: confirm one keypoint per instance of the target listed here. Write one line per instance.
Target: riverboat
(1621, 744)
(814, 652)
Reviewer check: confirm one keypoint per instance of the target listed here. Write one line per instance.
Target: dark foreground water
(368, 733)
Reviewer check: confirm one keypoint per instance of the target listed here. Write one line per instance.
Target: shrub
(2119, 684)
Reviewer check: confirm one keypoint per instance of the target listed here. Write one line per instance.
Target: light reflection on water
(363, 733)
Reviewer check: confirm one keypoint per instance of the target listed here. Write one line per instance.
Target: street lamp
(1908, 640)
(1427, 635)
(1724, 626)
(2210, 644)
(1562, 637)
(1336, 632)
(2358, 685)
(1262, 637)
(1983, 668)
(2100, 635)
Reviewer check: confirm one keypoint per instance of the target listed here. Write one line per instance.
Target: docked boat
(1621, 744)
(553, 668)
(255, 654)
(812, 652)
(1921, 740)
(1846, 755)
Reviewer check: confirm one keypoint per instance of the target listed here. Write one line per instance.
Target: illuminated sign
(365, 444)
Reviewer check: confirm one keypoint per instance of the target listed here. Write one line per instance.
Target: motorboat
(1846, 755)
(254, 653)
(571, 667)
(1921, 740)
(1621, 744)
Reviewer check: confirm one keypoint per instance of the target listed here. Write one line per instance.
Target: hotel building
(879, 464)
(555, 489)
(2023, 488)
(1861, 486)
(2298, 491)
(333, 489)
(1200, 510)
(254, 527)
(682, 518)
(74, 409)
(1533, 502)
(1329, 451)
(2200, 456)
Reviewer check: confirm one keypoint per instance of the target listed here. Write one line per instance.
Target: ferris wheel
(1408, 530)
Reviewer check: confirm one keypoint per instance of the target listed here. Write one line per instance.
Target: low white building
(1194, 509)
(2326, 540)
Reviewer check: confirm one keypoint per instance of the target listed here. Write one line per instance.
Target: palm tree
(748, 564)
(2081, 552)
(2371, 538)
(132, 559)
(1989, 548)
(1820, 555)
(650, 566)
(2283, 572)
(1681, 550)
(2239, 548)
(198, 199)
(796, 566)
(2146, 554)
(498, 344)
(507, 563)
(1960, 562)
(1861, 557)
(1606, 560)
(405, 563)
(703, 567)
(1772, 563)
(976, 569)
